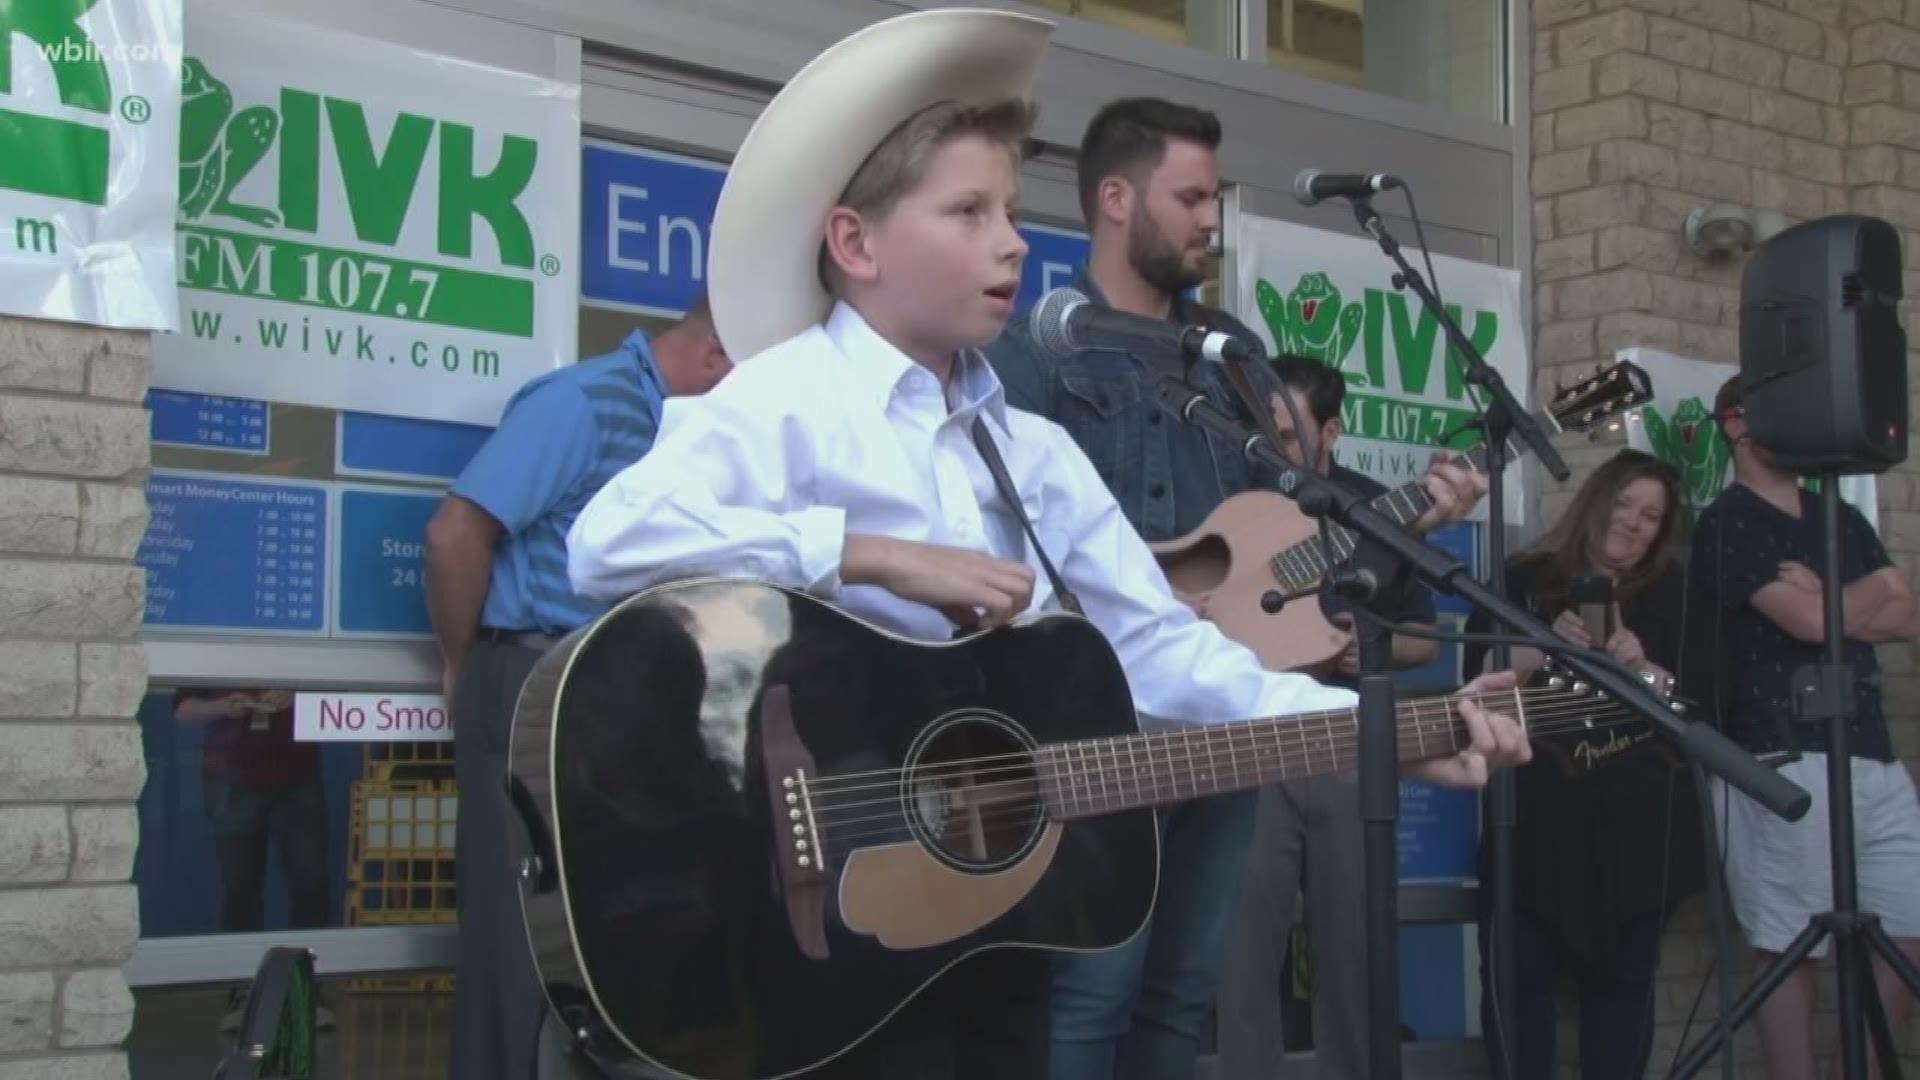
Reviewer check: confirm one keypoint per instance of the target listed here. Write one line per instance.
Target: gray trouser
(1313, 824)
(497, 1001)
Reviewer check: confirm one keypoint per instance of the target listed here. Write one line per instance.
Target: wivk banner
(89, 123)
(1328, 297)
(364, 226)
(1677, 426)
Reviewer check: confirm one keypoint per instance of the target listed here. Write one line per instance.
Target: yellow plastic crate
(408, 762)
(400, 853)
(441, 983)
(384, 1036)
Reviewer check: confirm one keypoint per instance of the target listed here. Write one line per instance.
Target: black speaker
(1823, 360)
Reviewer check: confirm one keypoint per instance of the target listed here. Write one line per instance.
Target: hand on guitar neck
(1492, 739)
(1455, 488)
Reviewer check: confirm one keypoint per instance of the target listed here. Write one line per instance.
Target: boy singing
(863, 253)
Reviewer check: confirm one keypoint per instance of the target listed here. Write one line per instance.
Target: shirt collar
(877, 364)
(652, 383)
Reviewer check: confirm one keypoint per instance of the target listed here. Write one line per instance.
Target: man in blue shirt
(498, 595)
(1312, 825)
(1149, 184)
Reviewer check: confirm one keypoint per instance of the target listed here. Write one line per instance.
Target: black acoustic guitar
(756, 826)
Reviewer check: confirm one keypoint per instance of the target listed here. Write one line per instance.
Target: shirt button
(1158, 491)
(1154, 419)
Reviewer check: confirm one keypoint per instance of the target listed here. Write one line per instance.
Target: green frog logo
(1690, 443)
(1312, 320)
(219, 147)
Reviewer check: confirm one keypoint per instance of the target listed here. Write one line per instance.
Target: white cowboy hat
(763, 256)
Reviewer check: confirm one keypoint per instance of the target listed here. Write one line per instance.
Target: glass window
(1204, 24)
(370, 1028)
(244, 828)
(1442, 52)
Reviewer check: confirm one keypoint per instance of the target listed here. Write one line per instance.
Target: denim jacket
(1166, 474)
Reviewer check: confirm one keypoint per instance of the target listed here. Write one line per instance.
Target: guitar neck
(1304, 563)
(1104, 776)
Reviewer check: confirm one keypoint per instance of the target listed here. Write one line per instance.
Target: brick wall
(1645, 109)
(73, 459)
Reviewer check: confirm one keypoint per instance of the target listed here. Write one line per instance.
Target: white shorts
(1779, 874)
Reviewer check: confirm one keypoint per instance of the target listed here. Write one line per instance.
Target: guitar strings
(1257, 743)
(1556, 721)
(1257, 731)
(1404, 710)
(1217, 760)
(1578, 720)
(1017, 813)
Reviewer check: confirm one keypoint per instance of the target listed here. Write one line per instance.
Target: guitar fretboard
(1100, 776)
(1298, 567)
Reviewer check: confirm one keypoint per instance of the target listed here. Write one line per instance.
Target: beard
(1158, 262)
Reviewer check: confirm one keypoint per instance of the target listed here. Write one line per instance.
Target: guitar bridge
(806, 833)
(798, 857)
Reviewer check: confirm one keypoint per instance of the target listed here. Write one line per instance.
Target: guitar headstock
(1588, 403)
(1556, 676)
(1589, 729)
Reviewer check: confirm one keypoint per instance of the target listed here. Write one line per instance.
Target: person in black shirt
(1606, 841)
(1758, 552)
(1312, 825)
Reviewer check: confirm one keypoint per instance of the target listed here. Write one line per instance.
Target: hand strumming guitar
(972, 588)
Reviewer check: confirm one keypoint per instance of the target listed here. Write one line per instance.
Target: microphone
(1065, 322)
(1311, 185)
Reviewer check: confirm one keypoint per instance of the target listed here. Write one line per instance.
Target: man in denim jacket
(1149, 184)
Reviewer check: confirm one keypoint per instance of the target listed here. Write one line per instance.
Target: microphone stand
(1361, 585)
(1444, 573)
(1379, 784)
(1504, 417)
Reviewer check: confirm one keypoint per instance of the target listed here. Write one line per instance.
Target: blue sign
(383, 562)
(645, 217)
(400, 447)
(1053, 256)
(1433, 983)
(1439, 833)
(235, 555)
(203, 422)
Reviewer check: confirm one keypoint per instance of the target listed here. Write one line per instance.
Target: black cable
(1666, 886)
(1433, 282)
(1465, 638)
(1720, 971)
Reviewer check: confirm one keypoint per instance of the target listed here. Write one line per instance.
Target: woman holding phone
(1606, 839)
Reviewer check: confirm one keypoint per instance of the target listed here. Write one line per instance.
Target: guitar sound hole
(971, 794)
(1199, 569)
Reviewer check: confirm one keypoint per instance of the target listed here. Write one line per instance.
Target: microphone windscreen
(1048, 322)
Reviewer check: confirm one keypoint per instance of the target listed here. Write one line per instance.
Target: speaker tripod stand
(1826, 696)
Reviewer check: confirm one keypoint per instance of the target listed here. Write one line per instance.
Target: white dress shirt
(836, 432)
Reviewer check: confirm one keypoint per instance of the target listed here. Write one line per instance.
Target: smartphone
(1592, 598)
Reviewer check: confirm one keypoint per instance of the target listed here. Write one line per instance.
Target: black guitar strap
(990, 453)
